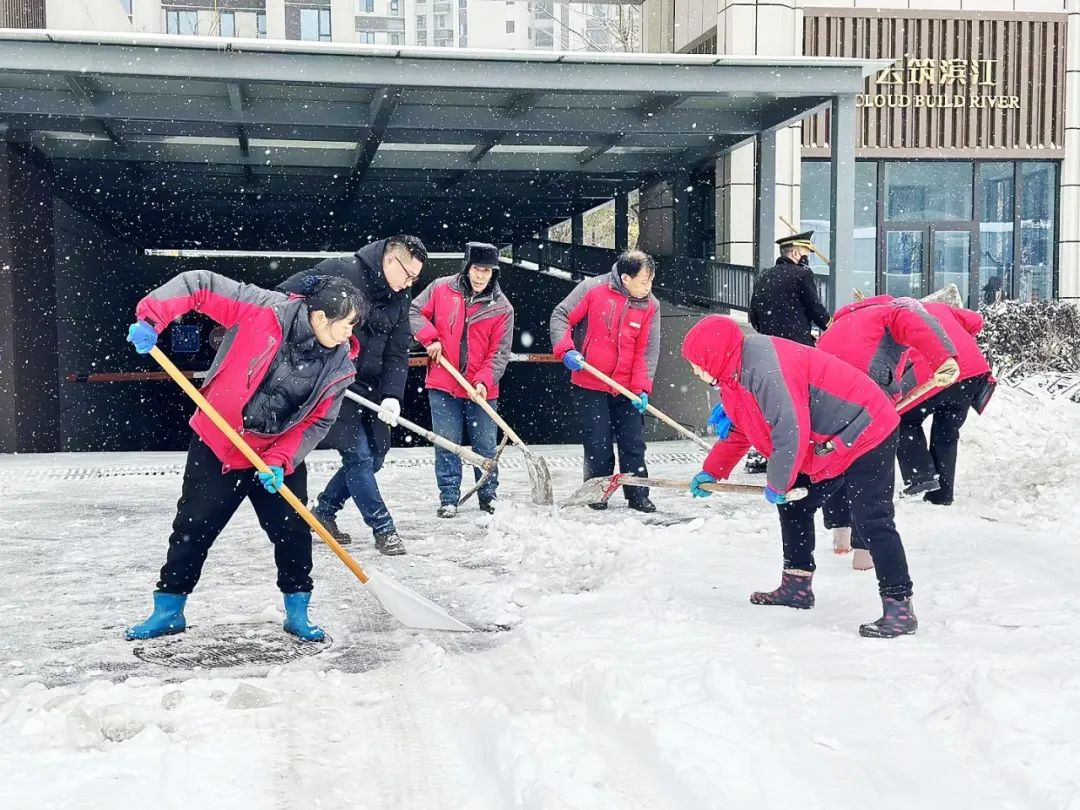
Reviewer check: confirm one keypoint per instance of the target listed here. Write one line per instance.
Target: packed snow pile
(635, 673)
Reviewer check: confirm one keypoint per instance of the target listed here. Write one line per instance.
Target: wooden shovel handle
(663, 417)
(479, 400)
(914, 395)
(257, 462)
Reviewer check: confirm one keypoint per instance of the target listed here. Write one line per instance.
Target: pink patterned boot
(898, 620)
(794, 592)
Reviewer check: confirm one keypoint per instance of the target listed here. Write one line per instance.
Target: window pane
(228, 24)
(921, 191)
(510, 29)
(309, 23)
(182, 22)
(1038, 182)
(324, 25)
(126, 4)
(995, 233)
(816, 213)
(904, 263)
(260, 24)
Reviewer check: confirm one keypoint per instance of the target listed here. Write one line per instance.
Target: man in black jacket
(383, 271)
(785, 301)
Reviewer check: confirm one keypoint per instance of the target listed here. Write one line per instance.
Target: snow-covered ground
(635, 673)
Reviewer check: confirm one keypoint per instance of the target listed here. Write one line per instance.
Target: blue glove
(273, 480)
(142, 336)
(642, 402)
(574, 360)
(720, 422)
(772, 496)
(696, 482)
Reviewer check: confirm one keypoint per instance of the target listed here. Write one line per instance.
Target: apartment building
(511, 24)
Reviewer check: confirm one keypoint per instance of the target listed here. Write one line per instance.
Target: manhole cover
(228, 645)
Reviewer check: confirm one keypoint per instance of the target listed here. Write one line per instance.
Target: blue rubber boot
(167, 618)
(296, 618)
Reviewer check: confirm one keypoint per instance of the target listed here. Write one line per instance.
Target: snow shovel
(487, 473)
(467, 454)
(596, 490)
(539, 476)
(408, 607)
(663, 417)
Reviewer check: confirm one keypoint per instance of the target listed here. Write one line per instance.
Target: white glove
(389, 410)
(947, 373)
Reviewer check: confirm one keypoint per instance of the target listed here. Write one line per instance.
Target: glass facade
(920, 225)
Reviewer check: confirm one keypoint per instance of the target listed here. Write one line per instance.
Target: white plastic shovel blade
(409, 607)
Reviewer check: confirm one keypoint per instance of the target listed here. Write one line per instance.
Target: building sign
(943, 83)
(958, 84)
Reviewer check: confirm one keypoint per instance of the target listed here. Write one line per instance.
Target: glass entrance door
(951, 263)
(905, 263)
(920, 260)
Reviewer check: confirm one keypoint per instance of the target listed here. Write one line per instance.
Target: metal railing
(681, 280)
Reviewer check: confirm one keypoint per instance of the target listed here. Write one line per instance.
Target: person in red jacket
(278, 379)
(467, 319)
(822, 425)
(878, 336)
(949, 406)
(615, 321)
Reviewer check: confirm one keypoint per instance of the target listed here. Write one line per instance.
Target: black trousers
(608, 421)
(869, 484)
(950, 409)
(208, 501)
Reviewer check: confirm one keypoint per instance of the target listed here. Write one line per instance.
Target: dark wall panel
(101, 279)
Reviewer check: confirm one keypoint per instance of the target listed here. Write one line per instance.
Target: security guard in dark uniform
(785, 302)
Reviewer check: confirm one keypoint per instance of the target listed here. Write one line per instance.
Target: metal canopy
(233, 141)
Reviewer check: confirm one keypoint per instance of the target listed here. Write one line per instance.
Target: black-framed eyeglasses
(410, 276)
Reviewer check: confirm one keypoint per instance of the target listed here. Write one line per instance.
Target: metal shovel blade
(593, 491)
(540, 479)
(409, 607)
(487, 472)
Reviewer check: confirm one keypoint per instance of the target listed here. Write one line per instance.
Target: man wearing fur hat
(467, 319)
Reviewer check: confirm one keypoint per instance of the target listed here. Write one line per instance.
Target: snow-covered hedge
(1028, 338)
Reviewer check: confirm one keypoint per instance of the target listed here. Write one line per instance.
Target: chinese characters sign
(938, 83)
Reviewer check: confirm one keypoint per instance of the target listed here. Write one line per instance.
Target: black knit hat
(482, 254)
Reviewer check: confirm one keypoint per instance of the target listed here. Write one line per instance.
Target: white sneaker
(841, 540)
(861, 560)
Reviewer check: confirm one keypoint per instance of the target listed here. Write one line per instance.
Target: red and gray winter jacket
(255, 319)
(877, 336)
(475, 332)
(961, 325)
(804, 410)
(617, 334)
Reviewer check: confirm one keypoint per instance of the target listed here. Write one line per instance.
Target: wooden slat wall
(1030, 63)
(22, 13)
